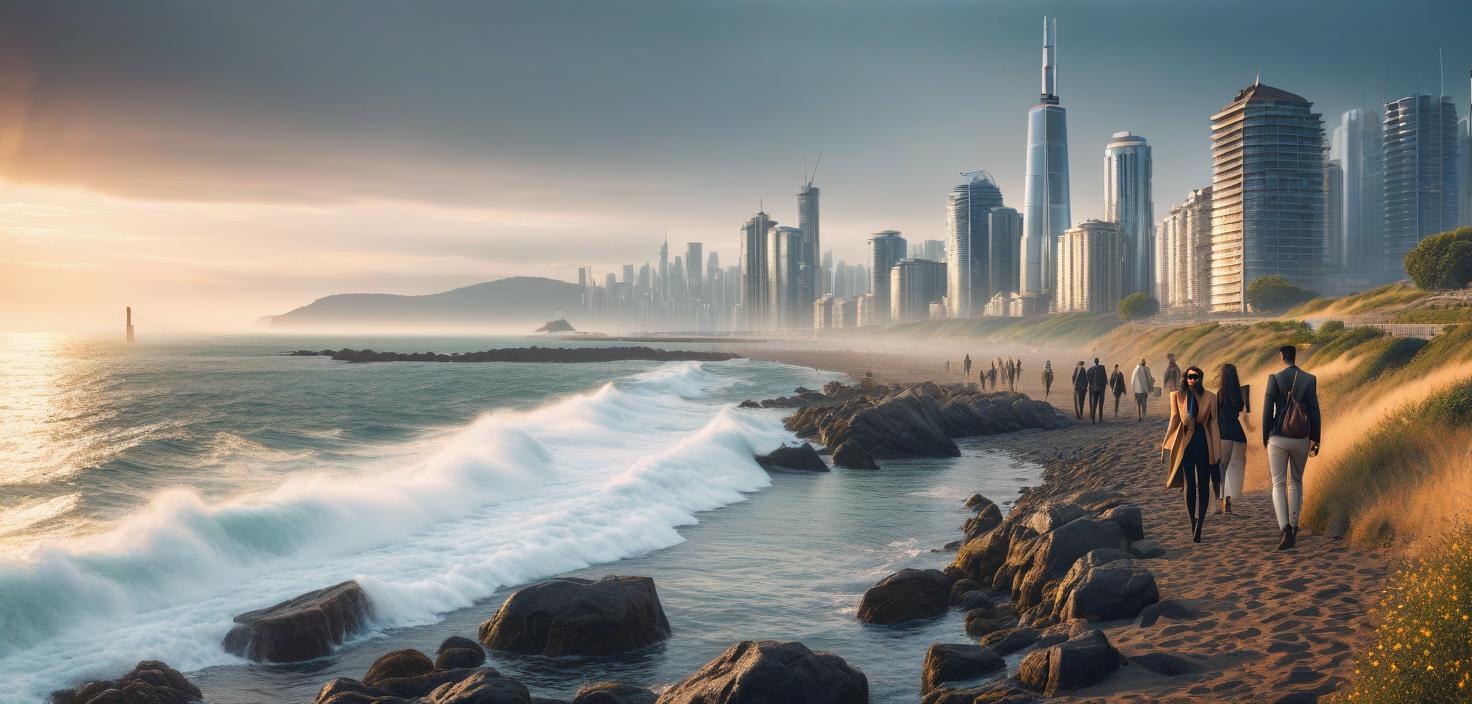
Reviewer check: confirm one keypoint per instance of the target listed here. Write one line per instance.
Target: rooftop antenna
(1441, 71)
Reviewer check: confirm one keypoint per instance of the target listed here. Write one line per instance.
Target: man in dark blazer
(1080, 389)
(1287, 456)
(1098, 382)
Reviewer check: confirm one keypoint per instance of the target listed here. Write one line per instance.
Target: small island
(558, 325)
(555, 355)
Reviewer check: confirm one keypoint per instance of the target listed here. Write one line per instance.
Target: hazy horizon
(210, 164)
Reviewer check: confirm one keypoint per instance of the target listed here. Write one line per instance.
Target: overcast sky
(212, 162)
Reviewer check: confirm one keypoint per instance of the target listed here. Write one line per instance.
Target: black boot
(1199, 524)
(1287, 542)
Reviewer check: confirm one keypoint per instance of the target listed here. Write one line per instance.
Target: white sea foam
(510, 498)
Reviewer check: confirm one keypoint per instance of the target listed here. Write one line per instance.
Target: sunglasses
(1192, 377)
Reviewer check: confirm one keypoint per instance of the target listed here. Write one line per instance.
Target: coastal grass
(1381, 300)
(1422, 651)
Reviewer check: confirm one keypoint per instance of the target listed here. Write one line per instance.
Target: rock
(768, 672)
(986, 518)
(613, 693)
(570, 616)
(748, 403)
(960, 588)
(977, 502)
(1105, 586)
(149, 682)
(1146, 548)
(348, 691)
(853, 456)
(1164, 664)
(1009, 640)
(484, 686)
(1055, 552)
(1098, 500)
(1129, 520)
(1077, 663)
(458, 653)
(397, 665)
(1054, 516)
(306, 627)
(949, 662)
(802, 458)
(985, 620)
(905, 596)
(971, 600)
(980, 558)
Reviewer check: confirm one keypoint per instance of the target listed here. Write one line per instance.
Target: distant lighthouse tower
(130, 323)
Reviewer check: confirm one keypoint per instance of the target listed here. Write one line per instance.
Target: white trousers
(1234, 465)
(1286, 459)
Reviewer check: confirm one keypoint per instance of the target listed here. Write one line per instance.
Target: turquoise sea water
(150, 492)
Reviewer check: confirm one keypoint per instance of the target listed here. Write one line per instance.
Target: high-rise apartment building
(886, 249)
(1045, 211)
(1129, 203)
(1091, 264)
(968, 244)
(914, 284)
(1267, 193)
(1422, 188)
(1004, 230)
(1183, 255)
(1357, 145)
(789, 306)
(753, 297)
(1334, 229)
(807, 221)
(695, 269)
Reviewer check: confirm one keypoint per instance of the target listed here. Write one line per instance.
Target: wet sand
(1258, 624)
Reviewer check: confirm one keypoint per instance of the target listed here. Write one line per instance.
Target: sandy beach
(1257, 624)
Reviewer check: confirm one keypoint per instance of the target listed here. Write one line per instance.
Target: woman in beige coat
(1194, 445)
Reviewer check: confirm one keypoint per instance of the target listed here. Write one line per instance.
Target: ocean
(149, 492)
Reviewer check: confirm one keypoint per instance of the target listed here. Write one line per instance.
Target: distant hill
(517, 301)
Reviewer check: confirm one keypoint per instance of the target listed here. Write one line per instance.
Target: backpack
(1296, 423)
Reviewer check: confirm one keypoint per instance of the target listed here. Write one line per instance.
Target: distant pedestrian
(1233, 400)
(1011, 375)
(991, 377)
(1290, 430)
(1116, 386)
(1080, 388)
(1141, 383)
(1098, 385)
(1193, 445)
(966, 365)
(1172, 379)
(1047, 378)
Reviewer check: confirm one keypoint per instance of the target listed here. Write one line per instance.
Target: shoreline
(1255, 623)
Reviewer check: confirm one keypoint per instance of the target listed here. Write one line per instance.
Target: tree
(1137, 306)
(1443, 261)
(1274, 293)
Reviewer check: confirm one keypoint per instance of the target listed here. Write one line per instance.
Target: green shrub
(1331, 327)
(1137, 306)
(1274, 293)
(1421, 652)
(1443, 261)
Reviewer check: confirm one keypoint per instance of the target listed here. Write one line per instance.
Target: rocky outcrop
(578, 617)
(1078, 662)
(988, 619)
(988, 516)
(769, 671)
(873, 422)
(306, 627)
(1009, 640)
(150, 682)
(613, 693)
(1037, 565)
(1104, 585)
(802, 458)
(905, 596)
(951, 662)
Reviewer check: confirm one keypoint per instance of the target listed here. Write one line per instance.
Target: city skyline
(236, 184)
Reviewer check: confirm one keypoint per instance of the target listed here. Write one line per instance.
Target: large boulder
(613, 693)
(950, 662)
(988, 516)
(1129, 520)
(398, 678)
(802, 458)
(1055, 552)
(484, 686)
(150, 682)
(396, 665)
(1009, 640)
(852, 455)
(1073, 664)
(299, 629)
(905, 596)
(771, 672)
(988, 619)
(571, 616)
(457, 653)
(1115, 589)
(981, 557)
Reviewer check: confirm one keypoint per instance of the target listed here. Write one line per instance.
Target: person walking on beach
(1116, 387)
(1290, 431)
(1172, 379)
(991, 376)
(1047, 378)
(1233, 399)
(1141, 382)
(1080, 388)
(966, 365)
(1010, 371)
(1098, 384)
(1193, 446)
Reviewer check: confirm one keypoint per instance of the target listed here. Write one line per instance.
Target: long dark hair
(1231, 389)
(1201, 380)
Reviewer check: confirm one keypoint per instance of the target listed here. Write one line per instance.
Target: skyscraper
(1358, 146)
(1184, 254)
(968, 244)
(807, 221)
(1334, 227)
(788, 304)
(1091, 264)
(1267, 193)
(1464, 166)
(914, 284)
(1129, 203)
(1005, 234)
(753, 296)
(1045, 209)
(1421, 183)
(886, 249)
(695, 270)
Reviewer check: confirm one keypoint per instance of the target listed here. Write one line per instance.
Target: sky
(210, 163)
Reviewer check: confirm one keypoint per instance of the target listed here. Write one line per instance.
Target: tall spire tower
(1045, 192)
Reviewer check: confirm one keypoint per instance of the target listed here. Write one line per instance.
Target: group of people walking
(1206, 444)
(1091, 384)
(1005, 371)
